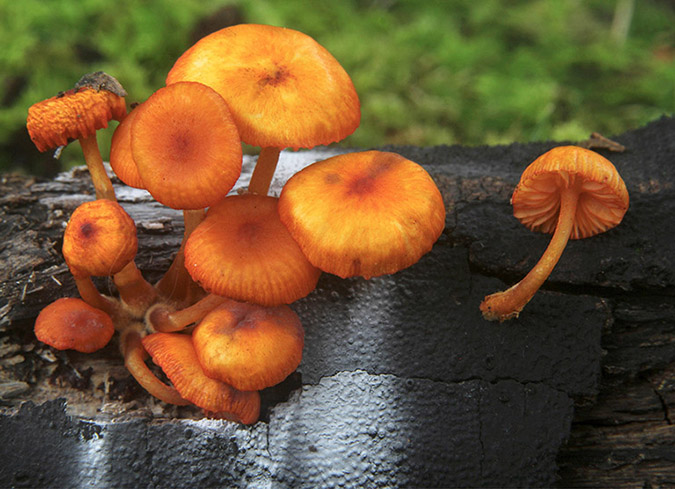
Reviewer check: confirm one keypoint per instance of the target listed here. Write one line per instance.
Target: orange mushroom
(283, 88)
(78, 114)
(121, 159)
(369, 213)
(244, 252)
(175, 354)
(247, 346)
(571, 192)
(72, 324)
(100, 240)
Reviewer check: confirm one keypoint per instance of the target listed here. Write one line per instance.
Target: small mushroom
(367, 214)
(121, 158)
(571, 192)
(283, 88)
(72, 324)
(244, 252)
(176, 355)
(247, 346)
(77, 114)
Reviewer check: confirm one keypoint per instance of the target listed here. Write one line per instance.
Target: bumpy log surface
(402, 383)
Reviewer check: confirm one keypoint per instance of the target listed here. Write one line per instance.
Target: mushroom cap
(602, 203)
(175, 354)
(72, 324)
(121, 159)
(247, 346)
(77, 113)
(243, 251)
(369, 213)
(100, 239)
(186, 146)
(283, 88)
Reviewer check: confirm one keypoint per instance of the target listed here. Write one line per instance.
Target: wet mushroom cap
(367, 214)
(283, 88)
(74, 114)
(603, 199)
(186, 146)
(121, 159)
(243, 251)
(249, 347)
(100, 239)
(175, 354)
(72, 324)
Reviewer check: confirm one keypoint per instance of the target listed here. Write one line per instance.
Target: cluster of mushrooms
(218, 323)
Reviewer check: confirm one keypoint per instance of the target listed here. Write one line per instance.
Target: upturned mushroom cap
(121, 158)
(175, 354)
(186, 146)
(72, 324)
(283, 88)
(367, 214)
(247, 346)
(74, 114)
(603, 199)
(100, 239)
(243, 251)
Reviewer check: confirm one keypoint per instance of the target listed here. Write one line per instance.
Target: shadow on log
(402, 382)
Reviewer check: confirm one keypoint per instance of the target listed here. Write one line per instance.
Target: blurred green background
(428, 72)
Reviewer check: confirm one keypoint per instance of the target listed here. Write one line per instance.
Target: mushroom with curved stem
(162, 318)
(363, 214)
(283, 89)
(72, 324)
(175, 354)
(244, 252)
(77, 114)
(570, 191)
(100, 240)
(188, 154)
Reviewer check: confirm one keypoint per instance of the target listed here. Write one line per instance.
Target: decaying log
(402, 382)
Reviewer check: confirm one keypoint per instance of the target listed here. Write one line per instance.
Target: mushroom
(188, 154)
(247, 346)
(72, 324)
(77, 114)
(571, 192)
(283, 88)
(368, 213)
(176, 355)
(244, 252)
(121, 159)
(100, 240)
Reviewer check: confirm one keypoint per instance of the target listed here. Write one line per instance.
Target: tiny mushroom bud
(283, 88)
(247, 346)
(72, 324)
(77, 114)
(363, 214)
(571, 192)
(244, 252)
(175, 354)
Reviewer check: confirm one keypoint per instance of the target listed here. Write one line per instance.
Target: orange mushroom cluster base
(218, 323)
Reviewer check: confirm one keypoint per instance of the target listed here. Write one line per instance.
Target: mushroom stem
(264, 171)
(508, 304)
(134, 359)
(136, 292)
(176, 284)
(162, 319)
(92, 156)
(94, 298)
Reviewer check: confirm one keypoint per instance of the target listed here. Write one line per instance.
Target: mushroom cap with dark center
(247, 346)
(186, 146)
(100, 239)
(72, 324)
(283, 88)
(243, 251)
(369, 213)
(121, 158)
(77, 113)
(602, 203)
(175, 354)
